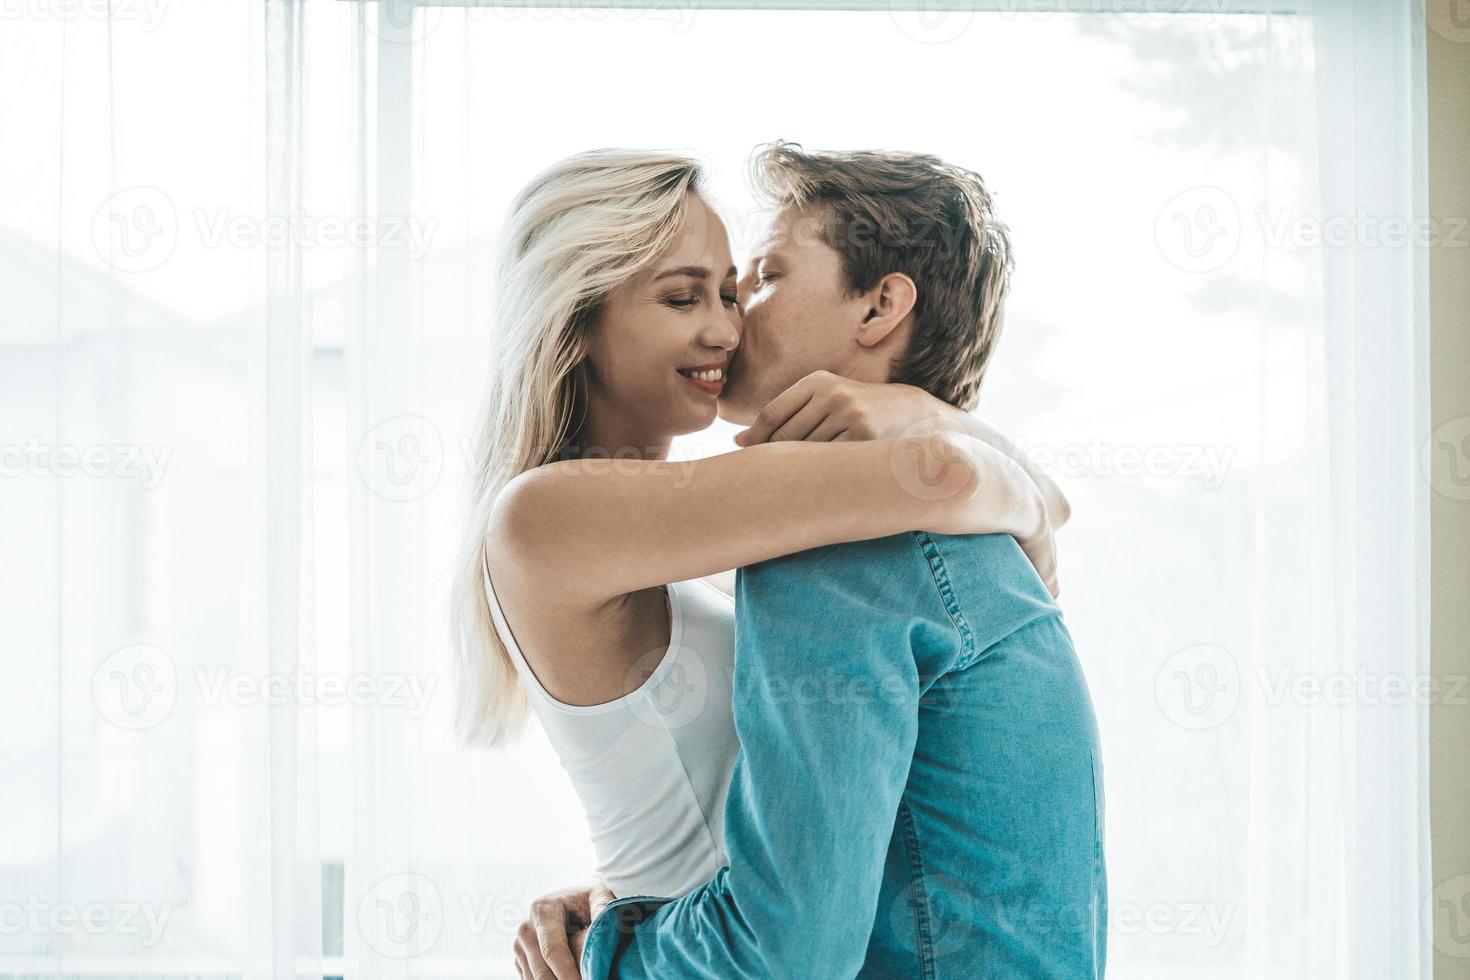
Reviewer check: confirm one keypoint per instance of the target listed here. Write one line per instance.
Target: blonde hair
(578, 230)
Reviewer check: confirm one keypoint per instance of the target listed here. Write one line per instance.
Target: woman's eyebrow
(692, 271)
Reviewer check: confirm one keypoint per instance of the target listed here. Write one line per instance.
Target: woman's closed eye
(686, 302)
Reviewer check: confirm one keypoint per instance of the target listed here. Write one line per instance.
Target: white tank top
(652, 768)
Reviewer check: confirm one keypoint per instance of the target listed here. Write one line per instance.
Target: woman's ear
(889, 302)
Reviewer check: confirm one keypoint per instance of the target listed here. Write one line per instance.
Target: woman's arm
(1058, 508)
(600, 529)
(824, 407)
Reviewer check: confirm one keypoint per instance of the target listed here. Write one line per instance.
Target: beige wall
(1449, 518)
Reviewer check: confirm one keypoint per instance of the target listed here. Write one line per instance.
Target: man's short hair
(913, 213)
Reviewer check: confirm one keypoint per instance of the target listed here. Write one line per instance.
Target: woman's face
(656, 364)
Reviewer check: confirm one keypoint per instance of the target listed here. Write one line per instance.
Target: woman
(581, 594)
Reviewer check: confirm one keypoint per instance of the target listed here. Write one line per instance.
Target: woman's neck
(603, 437)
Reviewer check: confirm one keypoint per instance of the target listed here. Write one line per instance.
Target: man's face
(798, 318)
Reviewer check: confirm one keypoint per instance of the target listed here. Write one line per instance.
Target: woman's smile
(709, 378)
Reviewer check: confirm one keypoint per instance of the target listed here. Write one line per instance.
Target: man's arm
(827, 684)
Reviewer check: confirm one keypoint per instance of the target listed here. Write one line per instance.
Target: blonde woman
(587, 589)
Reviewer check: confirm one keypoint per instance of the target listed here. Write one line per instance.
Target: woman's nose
(723, 331)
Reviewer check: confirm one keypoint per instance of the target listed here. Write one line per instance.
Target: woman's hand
(549, 943)
(826, 407)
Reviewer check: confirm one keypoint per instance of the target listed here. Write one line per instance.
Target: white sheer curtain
(244, 258)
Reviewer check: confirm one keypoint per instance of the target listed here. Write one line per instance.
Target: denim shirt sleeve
(833, 648)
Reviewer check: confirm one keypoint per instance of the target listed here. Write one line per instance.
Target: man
(935, 810)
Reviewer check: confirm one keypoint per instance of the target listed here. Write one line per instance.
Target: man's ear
(889, 302)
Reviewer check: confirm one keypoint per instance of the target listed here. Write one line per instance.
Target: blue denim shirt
(919, 790)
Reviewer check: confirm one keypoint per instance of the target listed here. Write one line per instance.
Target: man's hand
(826, 407)
(549, 943)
